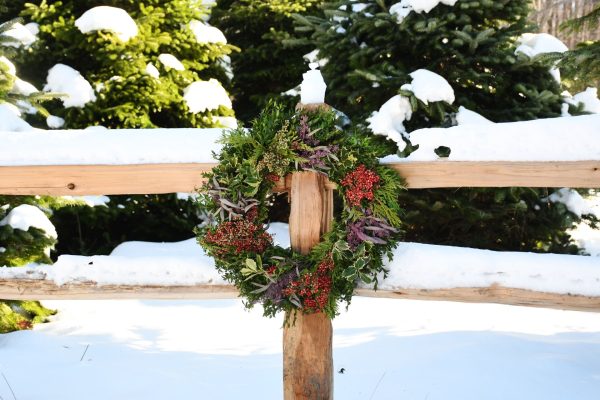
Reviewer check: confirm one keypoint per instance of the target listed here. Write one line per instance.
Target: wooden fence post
(307, 347)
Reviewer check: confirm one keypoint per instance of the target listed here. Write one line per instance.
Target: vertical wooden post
(307, 347)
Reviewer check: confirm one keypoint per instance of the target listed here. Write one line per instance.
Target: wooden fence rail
(57, 180)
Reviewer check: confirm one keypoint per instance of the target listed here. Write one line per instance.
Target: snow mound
(405, 7)
(105, 18)
(54, 122)
(468, 117)
(169, 60)
(455, 267)
(389, 120)
(10, 120)
(18, 35)
(573, 201)
(23, 88)
(63, 79)
(26, 216)
(532, 44)
(550, 139)
(98, 145)
(428, 87)
(589, 98)
(205, 33)
(201, 96)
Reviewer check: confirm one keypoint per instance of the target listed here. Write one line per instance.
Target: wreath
(237, 196)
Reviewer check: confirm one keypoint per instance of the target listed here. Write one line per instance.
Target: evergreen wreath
(236, 196)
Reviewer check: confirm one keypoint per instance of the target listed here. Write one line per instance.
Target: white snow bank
(551, 139)
(464, 116)
(589, 99)
(201, 96)
(26, 216)
(429, 87)
(403, 8)
(574, 202)
(532, 44)
(423, 266)
(424, 350)
(169, 60)
(414, 266)
(63, 79)
(10, 121)
(389, 120)
(19, 36)
(105, 18)
(105, 146)
(205, 33)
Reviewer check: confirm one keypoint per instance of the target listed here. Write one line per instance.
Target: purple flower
(368, 229)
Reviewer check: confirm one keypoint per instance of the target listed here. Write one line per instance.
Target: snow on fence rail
(553, 152)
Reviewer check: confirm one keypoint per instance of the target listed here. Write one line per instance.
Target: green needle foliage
(265, 67)
(126, 97)
(19, 247)
(472, 45)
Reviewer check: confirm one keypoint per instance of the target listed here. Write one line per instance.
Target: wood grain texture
(62, 180)
(37, 289)
(445, 174)
(307, 342)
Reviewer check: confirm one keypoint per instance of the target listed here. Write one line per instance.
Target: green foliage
(472, 45)
(127, 96)
(17, 315)
(18, 247)
(265, 67)
(581, 66)
(365, 231)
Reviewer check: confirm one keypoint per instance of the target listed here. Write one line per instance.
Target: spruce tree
(138, 80)
(264, 68)
(371, 47)
(18, 246)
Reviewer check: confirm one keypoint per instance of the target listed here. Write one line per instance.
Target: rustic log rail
(59, 180)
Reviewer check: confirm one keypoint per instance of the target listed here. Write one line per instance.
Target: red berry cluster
(313, 288)
(360, 185)
(238, 236)
(272, 177)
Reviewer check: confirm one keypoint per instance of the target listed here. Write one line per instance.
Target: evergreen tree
(138, 80)
(135, 85)
(17, 246)
(372, 46)
(265, 67)
(580, 67)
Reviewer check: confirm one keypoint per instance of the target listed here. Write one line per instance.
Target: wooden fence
(307, 350)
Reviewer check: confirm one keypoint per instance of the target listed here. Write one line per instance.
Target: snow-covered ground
(389, 349)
